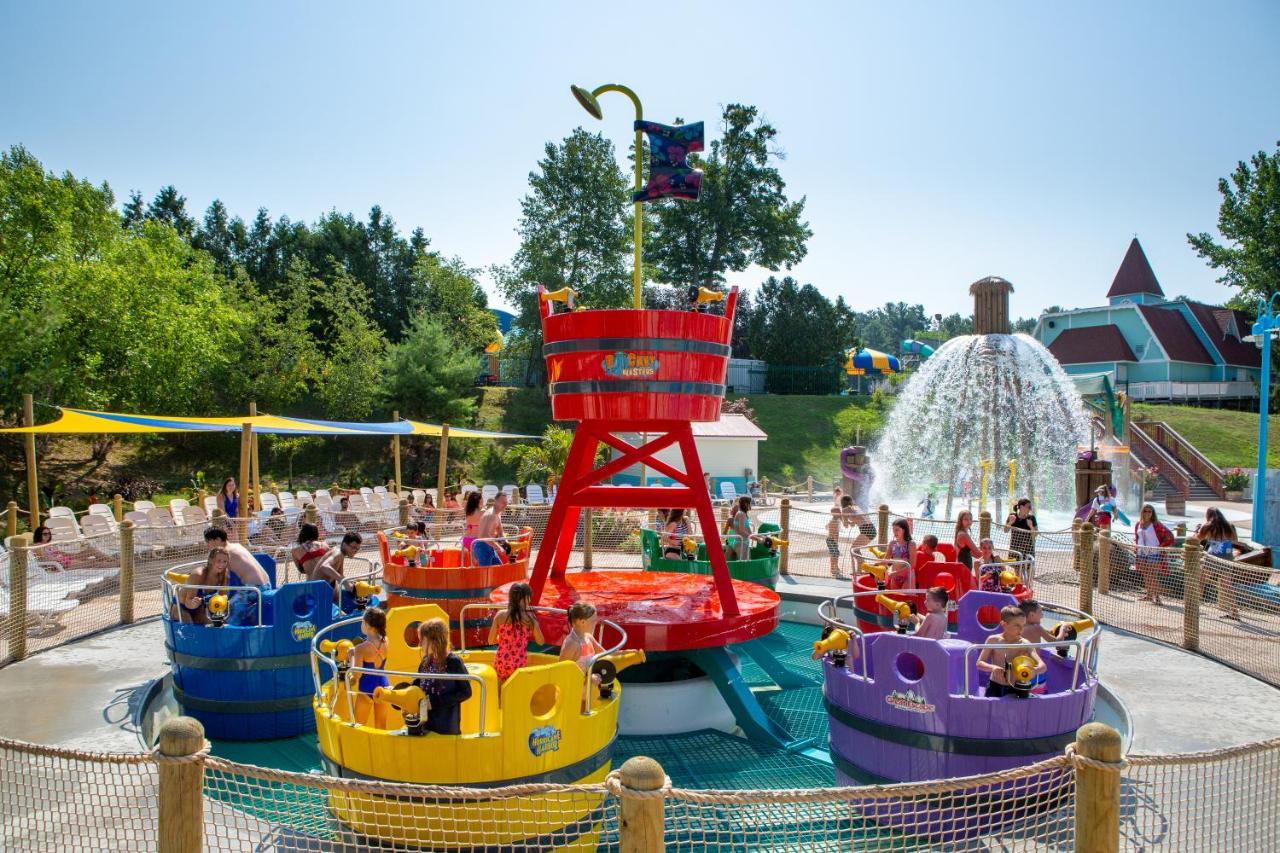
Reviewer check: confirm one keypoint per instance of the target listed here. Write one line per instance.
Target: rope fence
(178, 798)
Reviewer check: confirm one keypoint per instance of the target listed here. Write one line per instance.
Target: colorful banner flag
(669, 171)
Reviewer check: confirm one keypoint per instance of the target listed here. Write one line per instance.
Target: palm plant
(544, 461)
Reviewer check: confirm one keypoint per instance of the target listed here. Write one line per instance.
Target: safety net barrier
(59, 798)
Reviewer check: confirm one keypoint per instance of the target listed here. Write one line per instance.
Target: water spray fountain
(988, 401)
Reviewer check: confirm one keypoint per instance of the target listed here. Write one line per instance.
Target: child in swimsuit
(511, 631)
(933, 625)
(581, 646)
(308, 550)
(1035, 632)
(995, 662)
(371, 654)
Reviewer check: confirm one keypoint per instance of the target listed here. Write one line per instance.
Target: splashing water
(982, 397)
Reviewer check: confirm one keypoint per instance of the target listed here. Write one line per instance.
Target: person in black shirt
(1021, 526)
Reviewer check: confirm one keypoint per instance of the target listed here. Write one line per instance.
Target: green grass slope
(806, 433)
(1228, 438)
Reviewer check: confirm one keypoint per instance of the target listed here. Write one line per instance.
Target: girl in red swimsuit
(512, 629)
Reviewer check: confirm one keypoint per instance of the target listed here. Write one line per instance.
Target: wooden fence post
(784, 560)
(395, 450)
(1193, 567)
(1084, 566)
(588, 537)
(117, 508)
(181, 787)
(126, 572)
(444, 461)
(1104, 561)
(310, 514)
(404, 512)
(809, 487)
(18, 597)
(29, 443)
(11, 519)
(984, 525)
(640, 825)
(882, 527)
(1097, 790)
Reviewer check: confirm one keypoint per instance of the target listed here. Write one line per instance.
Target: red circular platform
(660, 612)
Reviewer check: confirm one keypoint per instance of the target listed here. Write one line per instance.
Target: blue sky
(936, 142)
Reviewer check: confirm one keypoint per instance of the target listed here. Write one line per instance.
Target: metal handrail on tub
(169, 586)
(362, 670)
(493, 543)
(1024, 566)
(888, 562)
(833, 620)
(1086, 647)
(600, 625)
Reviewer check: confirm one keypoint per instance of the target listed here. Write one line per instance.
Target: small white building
(729, 449)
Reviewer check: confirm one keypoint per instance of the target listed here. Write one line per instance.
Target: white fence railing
(1190, 390)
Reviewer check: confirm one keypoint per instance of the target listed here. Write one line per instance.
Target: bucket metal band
(567, 775)
(636, 386)
(241, 706)
(955, 744)
(635, 345)
(435, 594)
(238, 664)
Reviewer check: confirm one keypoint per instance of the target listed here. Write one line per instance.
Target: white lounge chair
(143, 506)
(380, 490)
(269, 500)
(44, 604)
(176, 506)
(468, 487)
(323, 501)
(194, 515)
(728, 491)
(304, 497)
(210, 505)
(488, 493)
(419, 497)
(287, 500)
(512, 492)
(64, 512)
(365, 490)
(534, 495)
(323, 493)
(63, 529)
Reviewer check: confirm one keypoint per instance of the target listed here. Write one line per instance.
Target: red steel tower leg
(581, 487)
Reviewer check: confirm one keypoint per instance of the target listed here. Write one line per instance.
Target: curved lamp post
(592, 106)
(1263, 330)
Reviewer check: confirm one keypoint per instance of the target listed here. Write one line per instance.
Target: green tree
(887, 327)
(279, 357)
(793, 324)
(448, 290)
(170, 208)
(353, 348)
(430, 372)
(1249, 219)
(573, 229)
(743, 215)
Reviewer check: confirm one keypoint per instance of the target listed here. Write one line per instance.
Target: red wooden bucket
(637, 365)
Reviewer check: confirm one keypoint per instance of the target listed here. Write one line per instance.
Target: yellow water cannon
(877, 570)
(520, 546)
(833, 640)
(877, 552)
(1069, 631)
(1021, 672)
(609, 667)
(564, 294)
(1008, 580)
(899, 610)
(775, 544)
(176, 577)
(363, 592)
(217, 607)
(689, 548)
(702, 297)
(408, 553)
(410, 701)
(340, 651)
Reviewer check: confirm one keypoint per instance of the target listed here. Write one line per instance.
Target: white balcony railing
(1191, 390)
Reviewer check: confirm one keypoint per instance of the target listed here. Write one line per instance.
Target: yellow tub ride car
(531, 729)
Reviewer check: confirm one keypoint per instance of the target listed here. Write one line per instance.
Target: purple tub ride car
(911, 709)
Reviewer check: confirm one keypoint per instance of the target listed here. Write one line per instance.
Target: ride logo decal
(630, 365)
(303, 630)
(544, 739)
(910, 701)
